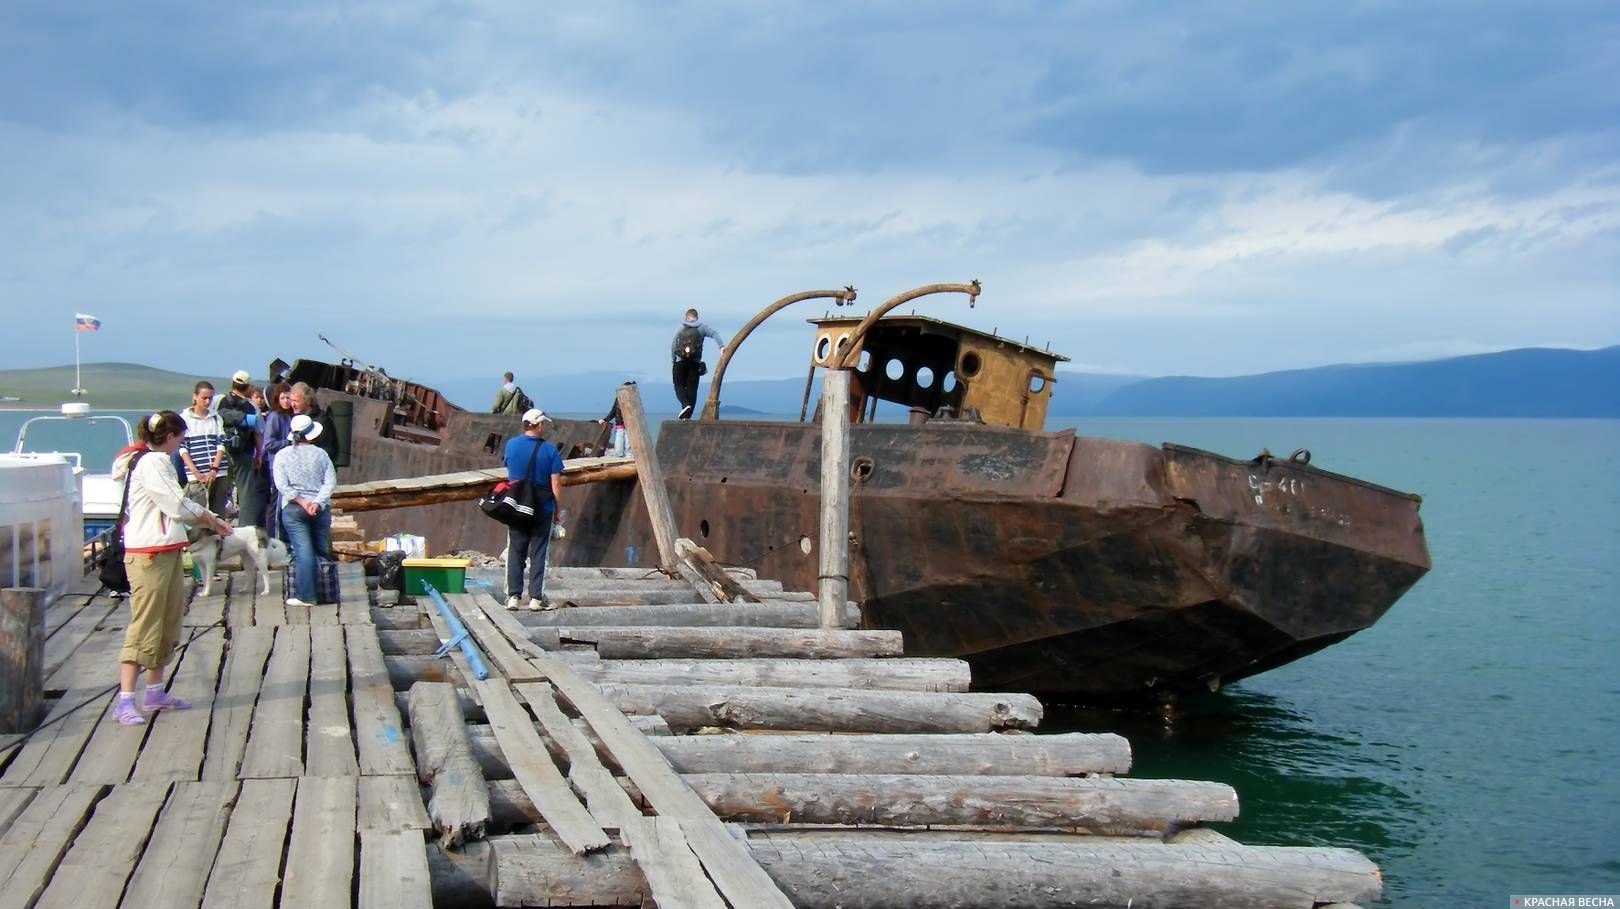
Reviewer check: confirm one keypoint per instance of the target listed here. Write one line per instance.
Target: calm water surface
(1469, 743)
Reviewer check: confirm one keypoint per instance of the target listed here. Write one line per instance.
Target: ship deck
(645, 744)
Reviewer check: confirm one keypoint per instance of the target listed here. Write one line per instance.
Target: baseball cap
(304, 428)
(535, 415)
(241, 377)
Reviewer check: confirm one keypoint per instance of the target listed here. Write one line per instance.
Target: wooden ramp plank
(276, 743)
(354, 606)
(320, 855)
(245, 656)
(735, 872)
(391, 804)
(330, 741)
(534, 770)
(500, 651)
(394, 871)
(248, 866)
(673, 873)
(48, 757)
(379, 733)
(175, 746)
(97, 866)
(270, 608)
(93, 660)
(36, 839)
(173, 871)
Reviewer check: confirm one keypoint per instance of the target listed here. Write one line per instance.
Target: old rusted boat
(1078, 567)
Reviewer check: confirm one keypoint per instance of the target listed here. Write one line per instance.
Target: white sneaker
(514, 602)
(294, 601)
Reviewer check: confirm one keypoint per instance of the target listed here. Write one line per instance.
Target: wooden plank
(97, 866)
(329, 742)
(735, 873)
(391, 804)
(455, 656)
(245, 657)
(210, 610)
(175, 747)
(276, 743)
(67, 639)
(534, 770)
(12, 803)
(379, 734)
(354, 606)
(296, 615)
(673, 873)
(22, 657)
(239, 608)
(832, 547)
(895, 674)
(173, 871)
(653, 642)
(48, 757)
(394, 871)
(648, 475)
(606, 800)
(500, 651)
(248, 866)
(459, 804)
(320, 854)
(270, 608)
(33, 844)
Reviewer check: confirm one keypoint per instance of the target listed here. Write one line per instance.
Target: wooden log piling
(22, 658)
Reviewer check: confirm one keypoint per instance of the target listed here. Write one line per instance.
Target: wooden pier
(641, 746)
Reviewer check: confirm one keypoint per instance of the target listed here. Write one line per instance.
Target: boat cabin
(939, 370)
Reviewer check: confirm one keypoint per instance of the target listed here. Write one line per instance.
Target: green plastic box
(446, 575)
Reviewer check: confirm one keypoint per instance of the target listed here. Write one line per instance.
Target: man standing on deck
(532, 459)
(241, 419)
(511, 399)
(687, 351)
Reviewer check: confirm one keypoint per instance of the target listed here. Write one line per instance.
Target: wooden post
(833, 590)
(649, 475)
(22, 658)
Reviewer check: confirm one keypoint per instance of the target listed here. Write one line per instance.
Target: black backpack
(689, 343)
(524, 402)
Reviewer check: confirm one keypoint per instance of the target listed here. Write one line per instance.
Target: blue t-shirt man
(526, 546)
(548, 462)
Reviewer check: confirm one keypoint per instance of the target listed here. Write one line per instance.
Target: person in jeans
(154, 536)
(526, 546)
(277, 423)
(305, 479)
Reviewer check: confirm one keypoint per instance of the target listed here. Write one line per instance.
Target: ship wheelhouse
(938, 370)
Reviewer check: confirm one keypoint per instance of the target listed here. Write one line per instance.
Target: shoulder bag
(518, 503)
(112, 573)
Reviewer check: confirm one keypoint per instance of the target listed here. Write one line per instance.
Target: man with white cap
(531, 458)
(241, 420)
(305, 479)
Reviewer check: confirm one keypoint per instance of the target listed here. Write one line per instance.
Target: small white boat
(50, 505)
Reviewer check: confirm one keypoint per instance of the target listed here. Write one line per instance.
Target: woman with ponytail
(154, 536)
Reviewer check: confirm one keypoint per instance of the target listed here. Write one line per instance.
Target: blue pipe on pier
(458, 634)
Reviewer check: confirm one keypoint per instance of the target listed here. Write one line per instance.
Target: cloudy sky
(451, 188)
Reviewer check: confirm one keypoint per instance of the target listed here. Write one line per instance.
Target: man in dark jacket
(687, 352)
(303, 401)
(241, 421)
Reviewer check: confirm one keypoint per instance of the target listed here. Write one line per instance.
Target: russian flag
(85, 322)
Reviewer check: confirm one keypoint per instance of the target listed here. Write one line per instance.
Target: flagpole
(78, 384)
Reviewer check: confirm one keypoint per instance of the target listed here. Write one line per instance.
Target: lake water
(1469, 742)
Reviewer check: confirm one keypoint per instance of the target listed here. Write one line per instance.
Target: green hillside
(111, 386)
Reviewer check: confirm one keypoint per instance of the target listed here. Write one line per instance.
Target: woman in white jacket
(154, 536)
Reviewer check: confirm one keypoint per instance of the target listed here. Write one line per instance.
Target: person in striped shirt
(203, 454)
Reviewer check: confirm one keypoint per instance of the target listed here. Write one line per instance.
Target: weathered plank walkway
(633, 748)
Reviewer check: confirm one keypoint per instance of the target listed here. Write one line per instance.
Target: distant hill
(111, 386)
(1528, 382)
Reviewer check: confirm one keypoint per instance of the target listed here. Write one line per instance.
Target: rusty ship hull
(1055, 563)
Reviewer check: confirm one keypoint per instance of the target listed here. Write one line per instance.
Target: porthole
(894, 369)
(971, 364)
(864, 364)
(703, 528)
(1037, 383)
(823, 347)
(925, 377)
(948, 383)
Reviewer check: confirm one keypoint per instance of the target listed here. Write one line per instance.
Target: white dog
(247, 542)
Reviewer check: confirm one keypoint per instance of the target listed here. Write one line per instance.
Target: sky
(454, 189)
